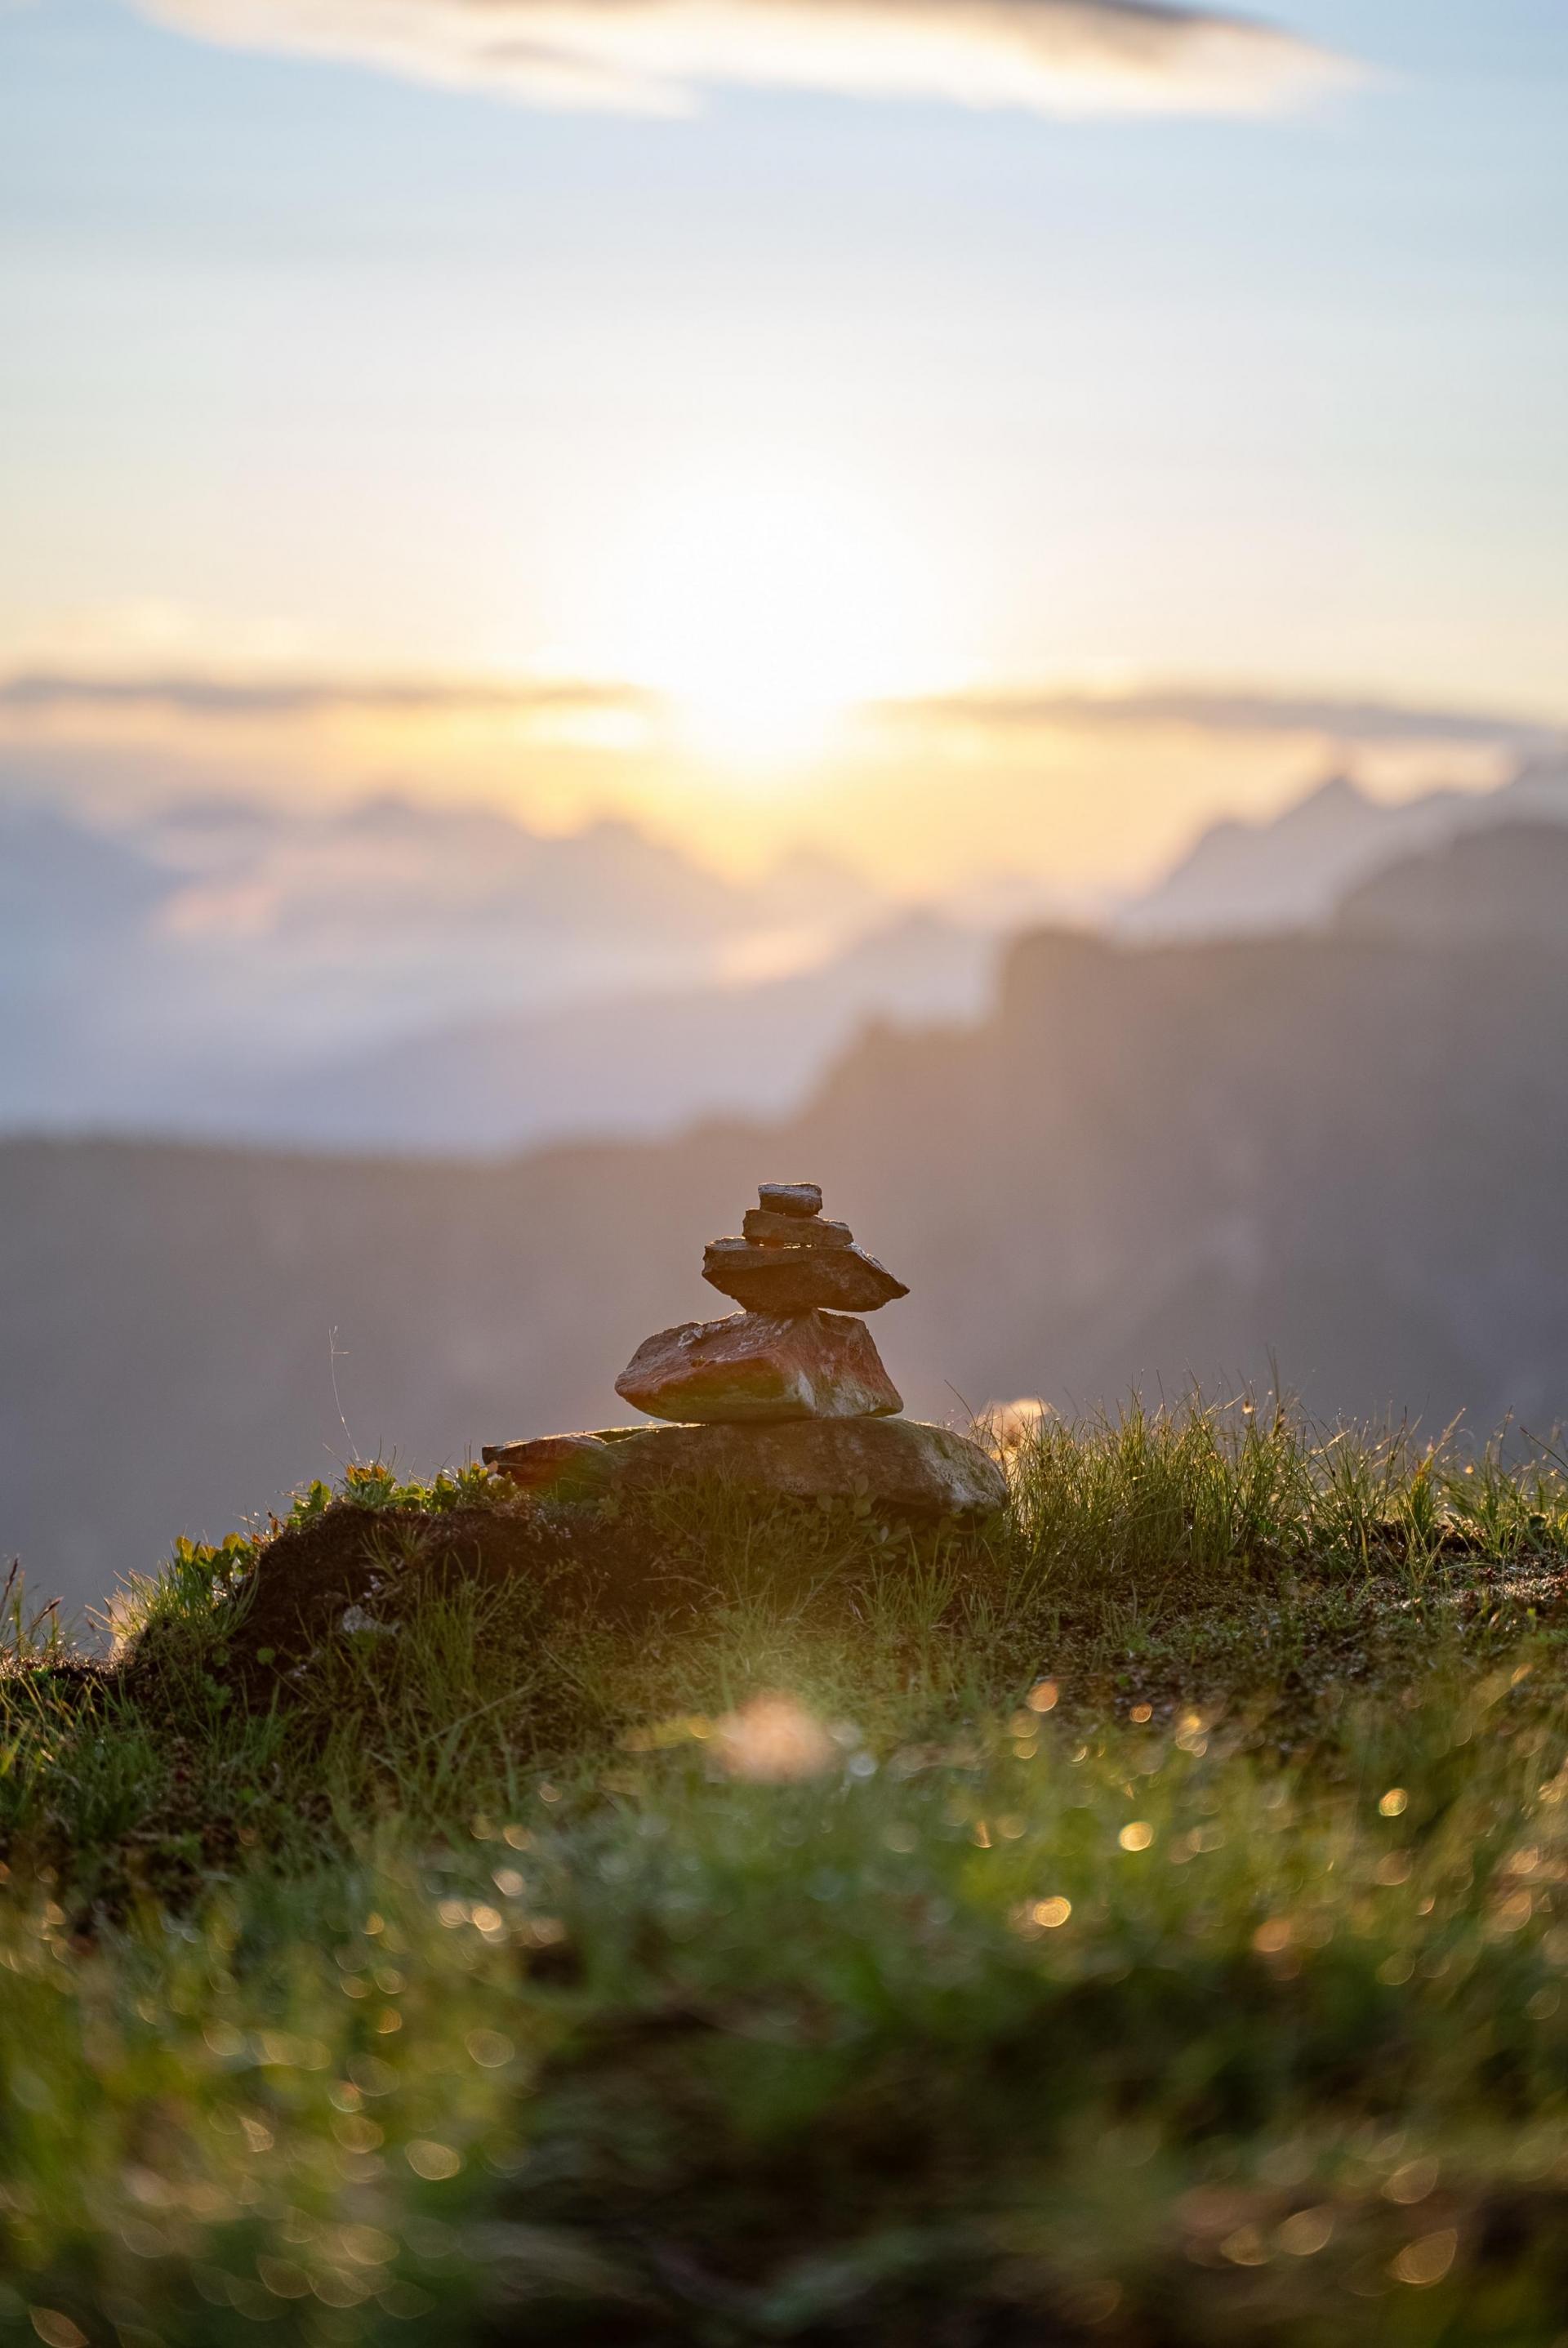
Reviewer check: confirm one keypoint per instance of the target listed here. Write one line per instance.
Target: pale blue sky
(304, 360)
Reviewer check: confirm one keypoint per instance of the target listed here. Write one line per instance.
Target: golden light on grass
(55, 2330)
(489, 2049)
(1015, 1424)
(1309, 2231)
(1427, 2261)
(1413, 2182)
(1136, 1837)
(774, 1740)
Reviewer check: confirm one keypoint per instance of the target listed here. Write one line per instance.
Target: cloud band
(1001, 713)
(1057, 56)
(996, 715)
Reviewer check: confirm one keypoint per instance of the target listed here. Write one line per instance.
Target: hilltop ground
(1138, 1921)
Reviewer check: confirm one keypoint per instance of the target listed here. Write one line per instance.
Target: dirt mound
(312, 1575)
(354, 1569)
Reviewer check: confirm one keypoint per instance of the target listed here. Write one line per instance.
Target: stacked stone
(788, 1397)
(794, 1350)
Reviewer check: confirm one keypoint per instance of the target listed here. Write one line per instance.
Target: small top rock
(799, 1199)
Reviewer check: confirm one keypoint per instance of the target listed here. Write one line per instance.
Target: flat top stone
(539, 1450)
(801, 1198)
(565, 1466)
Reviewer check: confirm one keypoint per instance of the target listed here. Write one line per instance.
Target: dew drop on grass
(1427, 2261)
(1412, 2183)
(55, 2330)
(488, 2049)
(1309, 2231)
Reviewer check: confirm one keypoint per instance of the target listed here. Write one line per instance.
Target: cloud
(197, 695)
(1213, 711)
(997, 715)
(1051, 57)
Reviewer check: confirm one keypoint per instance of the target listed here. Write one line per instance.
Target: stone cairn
(789, 1395)
(792, 1351)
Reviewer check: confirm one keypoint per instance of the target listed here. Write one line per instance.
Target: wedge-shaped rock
(798, 1199)
(767, 1230)
(903, 1468)
(798, 1279)
(761, 1366)
(554, 1467)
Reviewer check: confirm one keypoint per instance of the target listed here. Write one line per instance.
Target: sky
(961, 433)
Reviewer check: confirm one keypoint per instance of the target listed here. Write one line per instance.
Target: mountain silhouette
(1290, 870)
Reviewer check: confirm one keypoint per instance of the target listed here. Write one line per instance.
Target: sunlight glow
(765, 606)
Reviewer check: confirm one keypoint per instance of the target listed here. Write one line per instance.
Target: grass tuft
(1140, 1920)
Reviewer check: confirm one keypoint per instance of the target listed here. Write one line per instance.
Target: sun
(764, 604)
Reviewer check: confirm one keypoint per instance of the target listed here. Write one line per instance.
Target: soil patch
(354, 1569)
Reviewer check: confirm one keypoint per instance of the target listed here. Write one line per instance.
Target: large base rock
(903, 1468)
(761, 1366)
(898, 1464)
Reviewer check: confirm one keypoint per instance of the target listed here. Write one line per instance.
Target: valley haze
(1224, 1160)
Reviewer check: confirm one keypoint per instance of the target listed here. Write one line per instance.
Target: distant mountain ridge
(394, 976)
(1290, 872)
(1347, 1152)
(1508, 883)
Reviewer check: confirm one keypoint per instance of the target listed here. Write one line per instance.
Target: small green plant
(376, 1485)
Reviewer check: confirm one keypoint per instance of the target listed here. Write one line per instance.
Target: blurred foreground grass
(1142, 1920)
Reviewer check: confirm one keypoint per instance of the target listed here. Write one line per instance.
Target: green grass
(1163, 1937)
